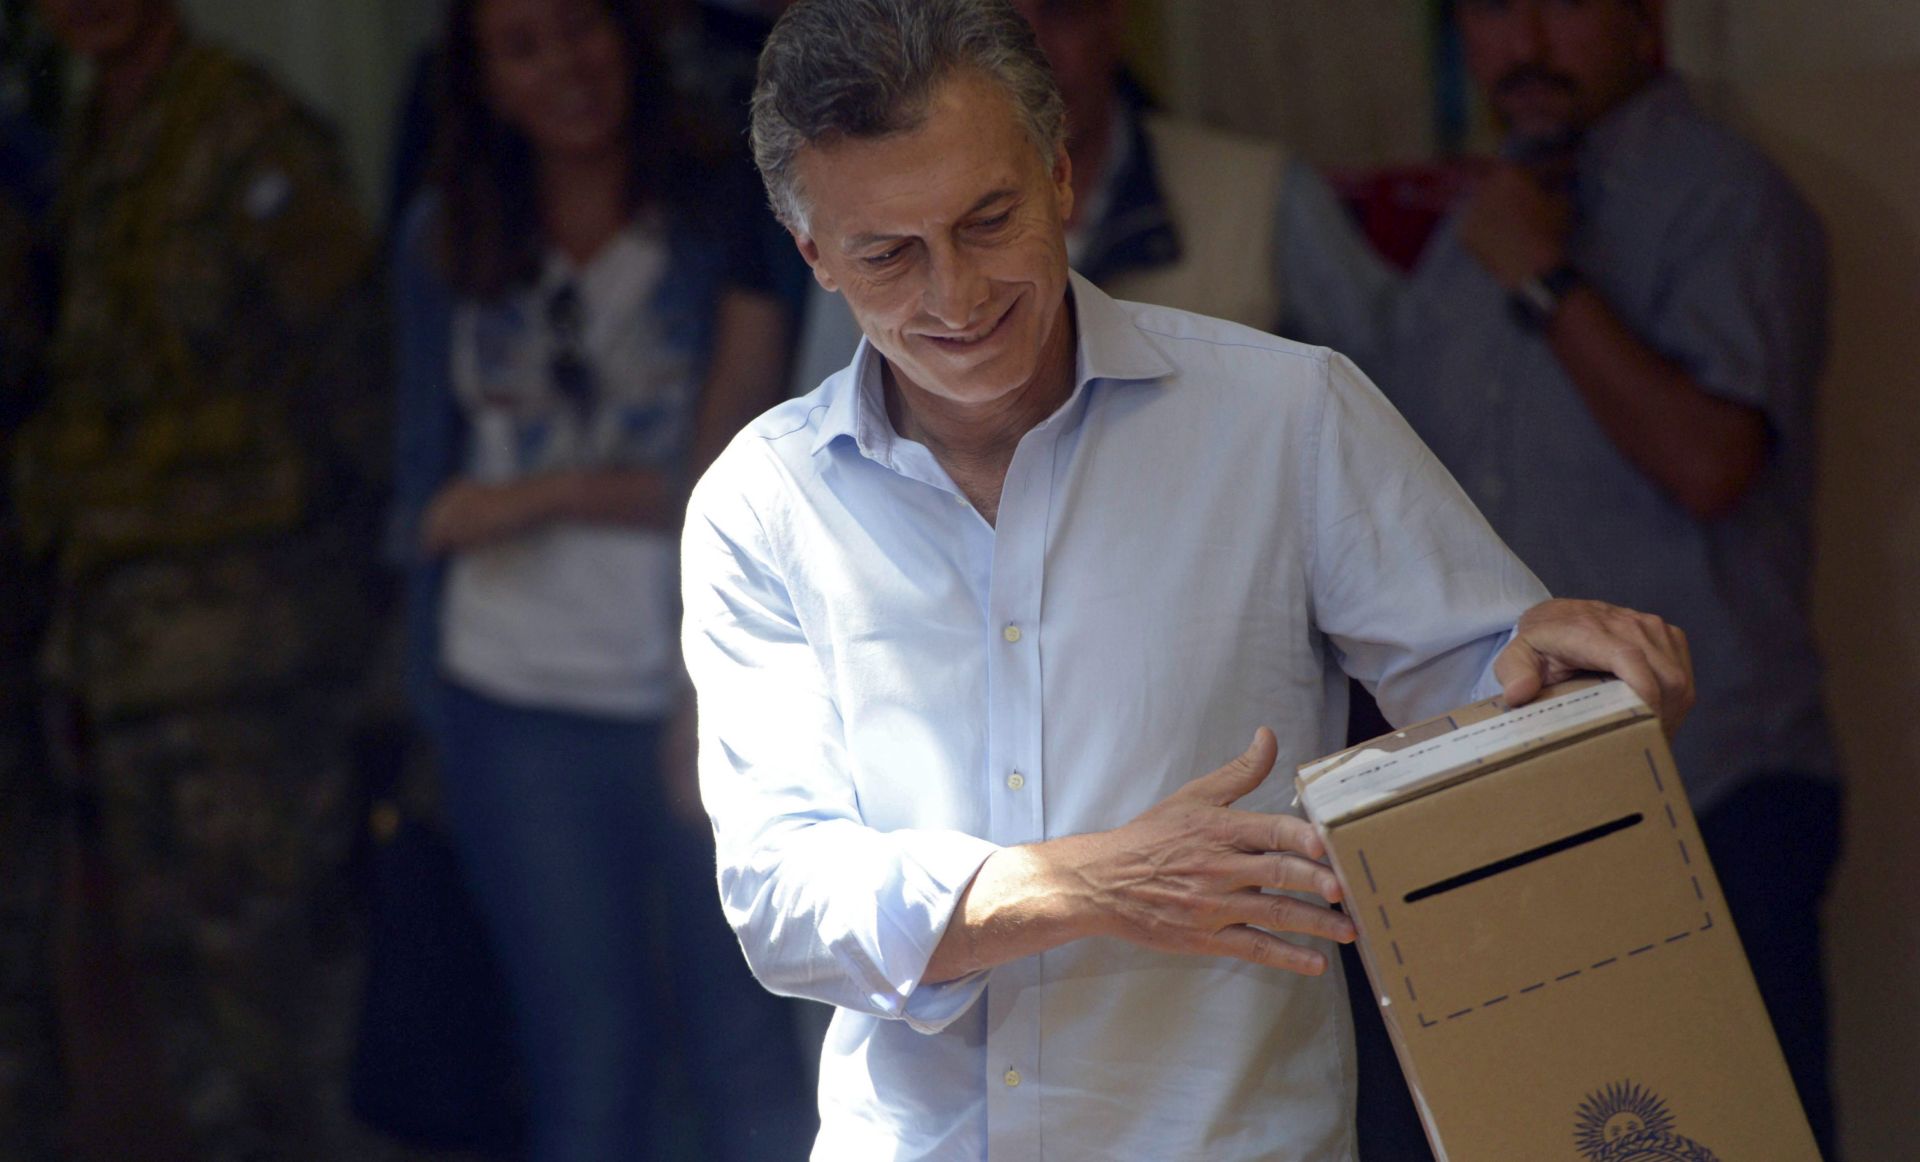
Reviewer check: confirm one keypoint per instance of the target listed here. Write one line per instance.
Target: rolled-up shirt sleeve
(825, 906)
(1413, 588)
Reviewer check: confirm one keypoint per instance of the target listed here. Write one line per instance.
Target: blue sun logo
(1627, 1122)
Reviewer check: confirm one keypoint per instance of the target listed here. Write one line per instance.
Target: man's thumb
(1238, 778)
(1517, 669)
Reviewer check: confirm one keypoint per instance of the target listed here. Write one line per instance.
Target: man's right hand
(1189, 875)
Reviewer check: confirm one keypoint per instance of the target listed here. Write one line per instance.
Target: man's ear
(810, 250)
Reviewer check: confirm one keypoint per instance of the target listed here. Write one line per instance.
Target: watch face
(1535, 300)
(1539, 296)
(1533, 304)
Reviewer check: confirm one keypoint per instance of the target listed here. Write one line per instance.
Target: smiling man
(971, 623)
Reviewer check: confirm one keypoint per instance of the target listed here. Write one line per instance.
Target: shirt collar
(1110, 347)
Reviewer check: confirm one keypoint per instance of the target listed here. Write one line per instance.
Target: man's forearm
(1022, 901)
(1702, 450)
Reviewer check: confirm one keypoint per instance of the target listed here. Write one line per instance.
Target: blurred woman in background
(583, 324)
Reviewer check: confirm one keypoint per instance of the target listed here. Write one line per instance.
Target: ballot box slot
(1522, 859)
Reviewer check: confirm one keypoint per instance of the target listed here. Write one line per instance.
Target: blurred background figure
(1614, 346)
(203, 483)
(1166, 210)
(30, 87)
(583, 324)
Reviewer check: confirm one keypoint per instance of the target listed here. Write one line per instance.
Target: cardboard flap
(1432, 754)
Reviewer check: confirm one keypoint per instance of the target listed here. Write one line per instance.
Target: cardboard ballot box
(1547, 941)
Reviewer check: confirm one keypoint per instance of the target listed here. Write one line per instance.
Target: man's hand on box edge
(1561, 639)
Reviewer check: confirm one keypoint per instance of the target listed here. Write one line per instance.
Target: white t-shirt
(571, 616)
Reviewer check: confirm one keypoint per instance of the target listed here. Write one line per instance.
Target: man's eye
(995, 222)
(884, 258)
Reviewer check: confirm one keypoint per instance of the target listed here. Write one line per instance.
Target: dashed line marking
(1686, 859)
(1366, 867)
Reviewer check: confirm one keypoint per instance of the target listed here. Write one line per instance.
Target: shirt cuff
(941, 868)
(1489, 686)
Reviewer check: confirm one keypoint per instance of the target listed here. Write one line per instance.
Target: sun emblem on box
(1627, 1122)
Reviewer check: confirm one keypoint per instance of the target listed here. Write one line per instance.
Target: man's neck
(123, 77)
(975, 444)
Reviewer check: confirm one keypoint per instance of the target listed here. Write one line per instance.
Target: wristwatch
(1537, 300)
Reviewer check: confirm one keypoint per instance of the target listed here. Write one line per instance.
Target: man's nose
(955, 290)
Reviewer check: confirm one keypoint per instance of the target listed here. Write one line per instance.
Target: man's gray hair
(837, 69)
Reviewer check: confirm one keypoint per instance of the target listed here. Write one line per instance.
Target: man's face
(948, 242)
(101, 28)
(1551, 67)
(1083, 43)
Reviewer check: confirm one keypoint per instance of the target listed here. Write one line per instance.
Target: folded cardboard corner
(1547, 941)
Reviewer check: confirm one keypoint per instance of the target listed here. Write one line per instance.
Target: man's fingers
(1559, 638)
(1261, 832)
(1266, 949)
(1238, 778)
(1286, 873)
(1280, 913)
(1245, 942)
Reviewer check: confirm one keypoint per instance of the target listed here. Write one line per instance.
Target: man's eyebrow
(863, 241)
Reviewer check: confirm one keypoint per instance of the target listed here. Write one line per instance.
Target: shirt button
(1015, 781)
(1492, 487)
(1011, 633)
(1012, 1078)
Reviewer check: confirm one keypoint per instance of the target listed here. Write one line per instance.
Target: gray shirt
(1706, 252)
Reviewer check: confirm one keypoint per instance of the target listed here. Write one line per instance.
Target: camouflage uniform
(203, 482)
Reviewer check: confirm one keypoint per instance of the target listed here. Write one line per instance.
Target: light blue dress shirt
(1212, 531)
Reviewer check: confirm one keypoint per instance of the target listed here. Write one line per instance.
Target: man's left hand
(1557, 640)
(1514, 226)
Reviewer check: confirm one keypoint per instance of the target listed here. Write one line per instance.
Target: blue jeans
(625, 981)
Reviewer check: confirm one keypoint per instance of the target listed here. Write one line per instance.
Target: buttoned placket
(1015, 778)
